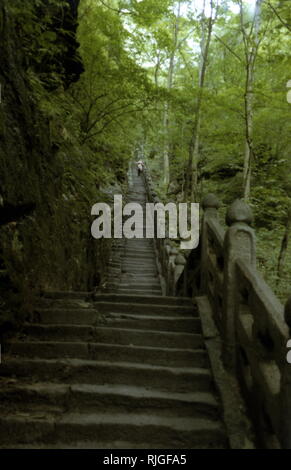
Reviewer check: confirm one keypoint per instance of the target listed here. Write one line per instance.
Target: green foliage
(123, 105)
(80, 142)
(222, 127)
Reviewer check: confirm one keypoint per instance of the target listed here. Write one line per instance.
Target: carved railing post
(285, 396)
(239, 242)
(210, 204)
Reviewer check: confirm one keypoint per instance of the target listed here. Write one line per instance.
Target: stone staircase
(122, 369)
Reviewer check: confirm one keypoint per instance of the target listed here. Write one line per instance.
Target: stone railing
(170, 259)
(253, 326)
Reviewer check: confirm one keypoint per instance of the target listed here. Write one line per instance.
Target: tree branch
(124, 12)
(228, 48)
(278, 16)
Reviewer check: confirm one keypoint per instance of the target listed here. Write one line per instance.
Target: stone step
(133, 258)
(142, 285)
(145, 263)
(65, 315)
(116, 297)
(139, 242)
(115, 335)
(134, 291)
(50, 332)
(139, 257)
(140, 248)
(154, 322)
(112, 398)
(142, 252)
(179, 432)
(131, 254)
(139, 277)
(140, 270)
(73, 316)
(173, 379)
(112, 445)
(144, 274)
(139, 254)
(138, 261)
(158, 356)
(76, 304)
(140, 337)
(67, 295)
(150, 308)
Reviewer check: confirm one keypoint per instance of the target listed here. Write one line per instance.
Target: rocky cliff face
(44, 233)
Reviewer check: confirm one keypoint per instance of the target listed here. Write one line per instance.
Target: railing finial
(239, 211)
(210, 201)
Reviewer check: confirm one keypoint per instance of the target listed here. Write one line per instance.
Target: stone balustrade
(253, 325)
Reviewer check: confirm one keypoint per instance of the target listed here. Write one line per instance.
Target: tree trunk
(248, 157)
(193, 158)
(250, 56)
(171, 70)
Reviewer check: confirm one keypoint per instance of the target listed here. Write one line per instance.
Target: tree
(192, 168)
(171, 71)
(251, 41)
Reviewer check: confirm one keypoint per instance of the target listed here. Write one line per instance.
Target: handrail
(254, 326)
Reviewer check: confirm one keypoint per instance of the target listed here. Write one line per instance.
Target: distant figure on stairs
(140, 167)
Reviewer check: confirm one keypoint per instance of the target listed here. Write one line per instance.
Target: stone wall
(45, 240)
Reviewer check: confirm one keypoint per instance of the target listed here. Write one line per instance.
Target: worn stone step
(69, 303)
(145, 263)
(138, 261)
(139, 277)
(174, 357)
(155, 323)
(147, 251)
(117, 444)
(131, 256)
(140, 266)
(140, 337)
(142, 275)
(115, 264)
(66, 315)
(148, 290)
(150, 308)
(134, 291)
(175, 379)
(139, 243)
(67, 295)
(71, 333)
(140, 251)
(139, 270)
(106, 398)
(167, 301)
(178, 432)
(142, 255)
(143, 285)
(50, 332)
